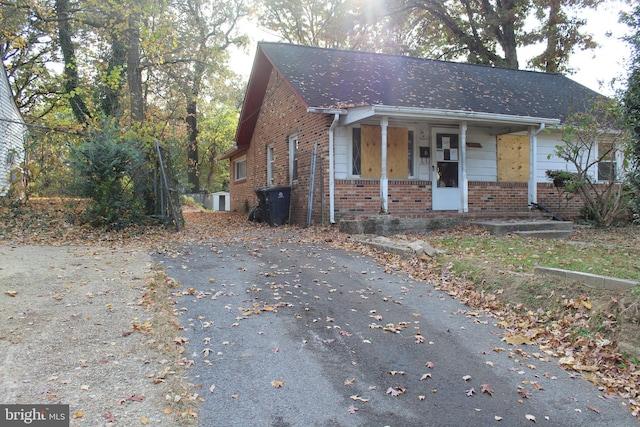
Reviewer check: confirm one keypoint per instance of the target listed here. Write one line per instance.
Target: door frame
(446, 198)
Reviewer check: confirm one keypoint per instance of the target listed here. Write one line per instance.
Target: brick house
(399, 136)
(12, 133)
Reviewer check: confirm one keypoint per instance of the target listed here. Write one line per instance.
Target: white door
(445, 165)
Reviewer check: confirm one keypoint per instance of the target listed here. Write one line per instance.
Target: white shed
(219, 201)
(12, 134)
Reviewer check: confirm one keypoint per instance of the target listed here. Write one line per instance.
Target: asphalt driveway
(289, 333)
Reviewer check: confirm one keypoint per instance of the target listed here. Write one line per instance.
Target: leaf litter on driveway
(325, 332)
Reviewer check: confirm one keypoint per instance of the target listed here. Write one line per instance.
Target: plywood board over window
(513, 158)
(397, 151)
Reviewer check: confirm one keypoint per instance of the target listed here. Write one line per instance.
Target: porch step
(540, 229)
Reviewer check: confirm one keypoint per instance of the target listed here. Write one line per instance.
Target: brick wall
(498, 196)
(359, 197)
(283, 114)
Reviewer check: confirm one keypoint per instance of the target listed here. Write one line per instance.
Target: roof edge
(359, 113)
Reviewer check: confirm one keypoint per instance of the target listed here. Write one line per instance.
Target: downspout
(464, 194)
(533, 163)
(332, 178)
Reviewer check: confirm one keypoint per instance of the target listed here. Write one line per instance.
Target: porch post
(533, 164)
(384, 182)
(464, 194)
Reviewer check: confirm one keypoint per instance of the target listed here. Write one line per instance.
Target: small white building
(12, 135)
(219, 201)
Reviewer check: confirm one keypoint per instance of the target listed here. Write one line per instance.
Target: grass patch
(523, 254)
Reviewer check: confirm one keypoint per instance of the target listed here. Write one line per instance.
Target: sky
(595, 69)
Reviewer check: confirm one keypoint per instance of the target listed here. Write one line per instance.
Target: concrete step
(504, 227)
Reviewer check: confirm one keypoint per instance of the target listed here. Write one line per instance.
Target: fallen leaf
(429, 365)
(78, 414)
(352, 409)
(518, 339)
(212, 388)
(396, 391)
(530, 417)
(84, 387)
(466, 377)
(145, 420)
(277, 383)
(470, 392)
(356, 397)
(425, 376)
(594, 409)
(168, 410)
(350, 382)
(422, 397)
(487, 389)
(11, 293)
(497, 418)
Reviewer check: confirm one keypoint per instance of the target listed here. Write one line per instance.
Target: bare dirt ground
(71, 328)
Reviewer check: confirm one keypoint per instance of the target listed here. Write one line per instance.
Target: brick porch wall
(358, 197)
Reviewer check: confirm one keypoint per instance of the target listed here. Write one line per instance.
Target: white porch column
(533, 163)
(384, 182)
(464, 194)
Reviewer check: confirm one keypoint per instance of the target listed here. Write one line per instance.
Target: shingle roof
(336, 78)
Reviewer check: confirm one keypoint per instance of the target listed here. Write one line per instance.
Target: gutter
(336, 117)
(432, 113)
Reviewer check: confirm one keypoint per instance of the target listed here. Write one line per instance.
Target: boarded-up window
(397, 152)
(513, 158)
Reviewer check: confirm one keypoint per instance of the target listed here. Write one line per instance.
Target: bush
(109, 171)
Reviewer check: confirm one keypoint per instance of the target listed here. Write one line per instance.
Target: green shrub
(109, 171)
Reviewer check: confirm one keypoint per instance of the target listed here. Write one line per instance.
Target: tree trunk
(78, 106)
(134, 74)
(192, 150)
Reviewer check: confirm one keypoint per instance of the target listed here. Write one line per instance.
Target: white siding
(11, 133)
(341, 153)
(546, 158)
(481, 162)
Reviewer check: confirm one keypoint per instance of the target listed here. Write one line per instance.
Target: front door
(445, 183)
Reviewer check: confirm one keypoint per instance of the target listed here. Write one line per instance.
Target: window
(293, 158)
(410, 154)
(240, 168)
(356, 147)
(270, 164)
(607, 162)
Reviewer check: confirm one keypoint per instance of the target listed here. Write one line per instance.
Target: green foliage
(566, 180)
(109, 171)
(592, 139)
(631, 99)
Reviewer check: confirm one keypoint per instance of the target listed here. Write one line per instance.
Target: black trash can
(260, 213)
(277, 200)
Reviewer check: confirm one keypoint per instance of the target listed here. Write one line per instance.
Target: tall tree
(344, 24)
(631, 99)
(209, 30)
(561, 32)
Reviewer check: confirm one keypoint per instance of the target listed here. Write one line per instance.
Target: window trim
(411, 144)
(270, 163)
(611, 160)
(351, 158)
(236, 164)
(294, 143)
